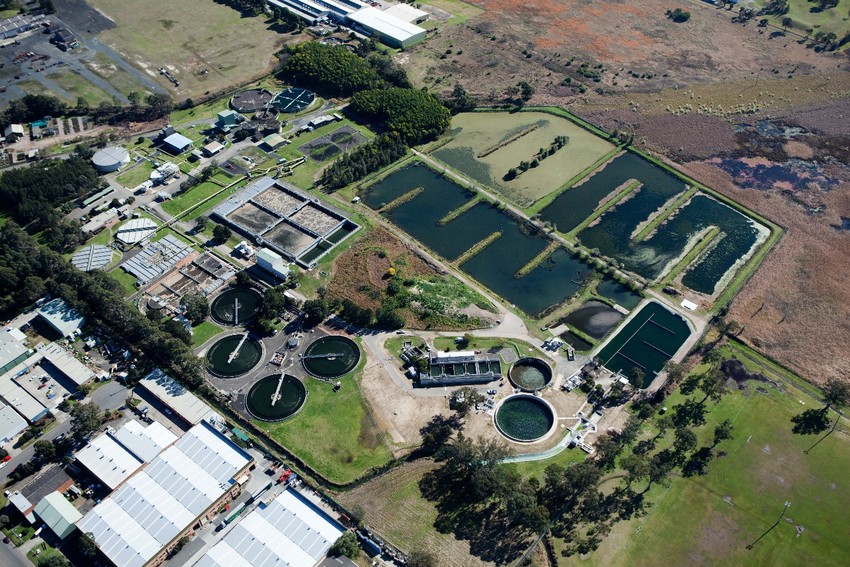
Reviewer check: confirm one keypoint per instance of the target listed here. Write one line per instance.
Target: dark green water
(530, 374)
(524, 418)
(259, 399)
(554, 280)
(594, 319)
(619, 294)
(647, 342)
(223, 306)
(348, 355)
(576, 341)
(248, 357)
(574, 205)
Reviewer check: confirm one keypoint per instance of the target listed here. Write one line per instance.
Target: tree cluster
(274, 304)
(558, 143)
(459, 101)
(678, 15)
(363, 160)
(195, 307)
(417, 116)
(329, 69)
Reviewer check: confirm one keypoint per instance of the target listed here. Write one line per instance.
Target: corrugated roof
(184, 403)
(65, 362)
(10, 423)
(386, 24)
(157, 258)
(145, 442)
(156, 504)
(289, 531)
(92, 257)
(177, 141)
(61, 316)
(59, 514)
(108, 460)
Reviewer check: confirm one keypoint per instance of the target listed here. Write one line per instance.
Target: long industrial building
(386, 26)
(178, 491)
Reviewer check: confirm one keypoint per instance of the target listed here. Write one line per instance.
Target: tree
(417, 116)
(346, 545)
(836, 394)
(177, 330)
(722, 432)
(636, 467)
(463, 399)
(685, 440)
(389, 319)
(787, 23)
(315, 311)
(525, 91)
(87, 546)
(85, 419)
(420, 558)
(675, 372)
(460, 100)
(4, 521)
(438, 431)
(44, 451)
(222, 233)
(636, 378)
(201, 223)
(53, 561)
(196, 307)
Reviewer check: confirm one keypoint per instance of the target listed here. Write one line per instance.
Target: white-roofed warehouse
(288, 531)
(391, 30)
(140, 522)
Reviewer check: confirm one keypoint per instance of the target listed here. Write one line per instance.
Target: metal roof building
(10, 423)
(12, 352)
(391, 30)
(135, 230)
(59, 514)
(288, 531)
(407, 13)
(156, 258)
(92, 257)
(61, 316)
(137, 523)
(177, 143)
(170, 392)
(64, 362)
(114, 456)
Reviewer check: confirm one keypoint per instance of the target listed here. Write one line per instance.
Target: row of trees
(34, 106)
(417, 116)
(386, 317)
(363, 160)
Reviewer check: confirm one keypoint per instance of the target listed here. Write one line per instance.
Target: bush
(346, 545)
(678, 15)
(417, 116)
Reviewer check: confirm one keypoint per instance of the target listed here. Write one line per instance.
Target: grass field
(486, 145)
(199, 35)
(804, 16)
(711, 520)
(126, 279)
(136, 175)
(393, 505)
(79, 86)
(459, 12)
(190, 198)
(125, 83)
(334, 432)
(203, 332)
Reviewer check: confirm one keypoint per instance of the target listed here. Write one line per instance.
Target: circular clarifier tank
(236, 306)
(234, 356)
(275, 397)
(331, 356)
(530, 374)
(525, 418)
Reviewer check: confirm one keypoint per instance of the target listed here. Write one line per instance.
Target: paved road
(9, 557)
(109, 396)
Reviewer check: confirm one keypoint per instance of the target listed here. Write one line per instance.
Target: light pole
(782, 515)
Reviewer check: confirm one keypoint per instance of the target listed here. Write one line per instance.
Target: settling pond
(555, 279)
(524, 418)
(234, 356)
(274, 398)
(236, 306)
(619, 294)
(595, 319)
(646, 342)
(331, 356)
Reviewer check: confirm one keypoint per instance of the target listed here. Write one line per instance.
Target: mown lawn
(333, 432)
(190, 198)
(127, 280)
(203, 332)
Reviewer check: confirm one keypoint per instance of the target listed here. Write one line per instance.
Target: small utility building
(59, 514)
(176, 143)
(461, 367)
(273, 263)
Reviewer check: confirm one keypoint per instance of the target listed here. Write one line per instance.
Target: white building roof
(177, 141)
(61, 316)
(289, 531)
(59, 514)
(113, 458)
(184, 403)
(406, 12)
(17, 397)
(689, 305)
(111, 157)
(156, 258)
(145, 442)
(157, 504)
(10, 349)
(135, 230)
(10, 423)
(99, 221)
(65, 362)
(386, 24)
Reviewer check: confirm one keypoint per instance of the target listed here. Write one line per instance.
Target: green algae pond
(555, 279)
(646, 342)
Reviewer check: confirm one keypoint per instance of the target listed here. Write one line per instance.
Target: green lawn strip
(571, 235)
(534, 262)
(536, 469)
(478, 247)
(757, 362)
(697, 249)
(190, 198)
(452, 215)
(543, 202)
(521, 348)
(665, 214)
(211, 203)
(412, 194)
(331, 431)
(460, 11)
(203, 332)
(19, 534)
(103, 238)
(127, 280)
(134, 176)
